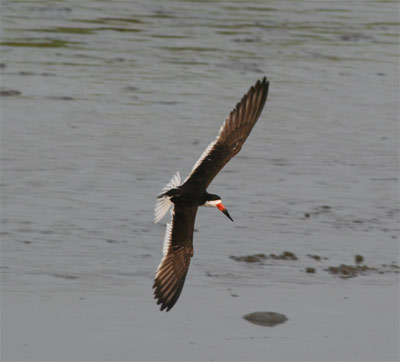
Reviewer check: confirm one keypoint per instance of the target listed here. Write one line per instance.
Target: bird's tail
(163, 202)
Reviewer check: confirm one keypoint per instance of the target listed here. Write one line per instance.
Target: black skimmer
(186, 197)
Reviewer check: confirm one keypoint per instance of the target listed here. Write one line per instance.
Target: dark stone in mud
(316, 257)
(266, 319)
(9, 92)
(310, 269)
(349, 271)
(318, 210)
(358, 258)
(286, 255)
(325, 207)
(255, 258)
(209, 274)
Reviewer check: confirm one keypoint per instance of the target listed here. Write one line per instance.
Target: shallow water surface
(103, 101)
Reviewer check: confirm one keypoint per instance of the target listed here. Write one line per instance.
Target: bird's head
(215, 201)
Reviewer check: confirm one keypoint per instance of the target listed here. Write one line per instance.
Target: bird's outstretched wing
(178, 249)
(232, 135)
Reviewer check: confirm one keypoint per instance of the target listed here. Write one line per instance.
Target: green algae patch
(84, 31)
(65, 30)
(38, 43)
(110, 21)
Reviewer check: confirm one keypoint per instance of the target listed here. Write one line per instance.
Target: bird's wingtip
(265, 81)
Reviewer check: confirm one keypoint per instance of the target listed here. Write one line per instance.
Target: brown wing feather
(171, 273)
(232, 135)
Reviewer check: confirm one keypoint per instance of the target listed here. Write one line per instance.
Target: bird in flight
(186, 197)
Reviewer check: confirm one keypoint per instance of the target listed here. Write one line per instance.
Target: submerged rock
(316, 257)
(359, 258)
(349, 271)
(286, 255)
(266, 319)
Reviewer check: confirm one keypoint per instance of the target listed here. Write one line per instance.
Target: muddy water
(113, 97)
(116, 96)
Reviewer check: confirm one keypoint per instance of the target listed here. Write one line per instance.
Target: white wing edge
(166, 243)
(167, 238)
(202, 157)
(164, 203)
(208, 149)
(174, 182)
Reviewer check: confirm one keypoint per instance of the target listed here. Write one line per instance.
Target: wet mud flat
(343, 270)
